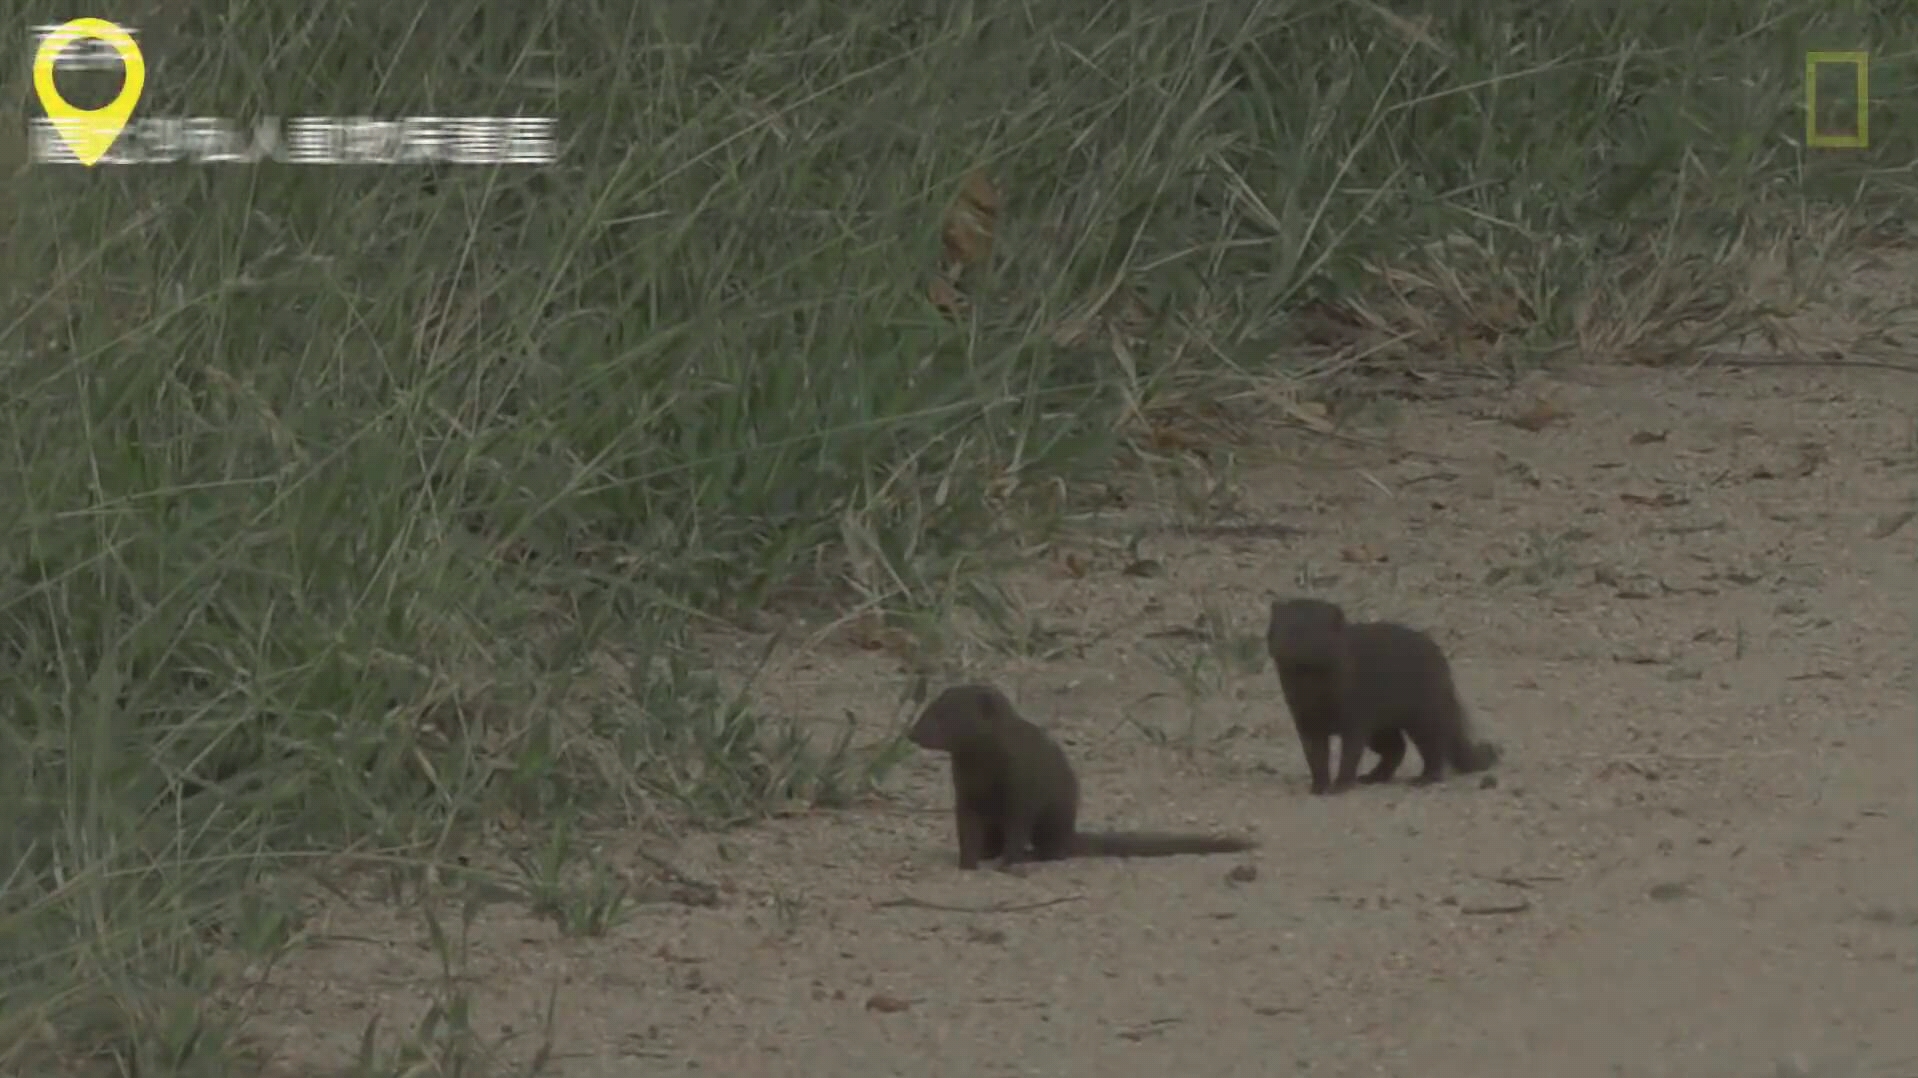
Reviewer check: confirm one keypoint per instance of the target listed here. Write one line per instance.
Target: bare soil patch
(1683, 606)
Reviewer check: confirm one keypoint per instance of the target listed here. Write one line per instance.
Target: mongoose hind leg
(995, 844)
(1017, 844)
(1390, 745)
(1431, 746)
(1052, 837)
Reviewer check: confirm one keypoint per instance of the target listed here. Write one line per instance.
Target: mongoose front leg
(972, 837)
(1318, 760)
(1351, 747)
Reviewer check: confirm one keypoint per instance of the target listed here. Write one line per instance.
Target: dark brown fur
(1014, 794)
(1373, 684)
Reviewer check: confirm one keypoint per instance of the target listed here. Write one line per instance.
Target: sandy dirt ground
(1685, 608)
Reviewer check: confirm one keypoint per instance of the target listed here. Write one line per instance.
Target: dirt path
(1683, 610)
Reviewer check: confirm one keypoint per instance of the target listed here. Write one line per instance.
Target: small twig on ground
(1688, 757)
(1745, 360)
(1021, 907)
(1139, 1033)
(685, 890)
(1525, 882)
(1481, 911)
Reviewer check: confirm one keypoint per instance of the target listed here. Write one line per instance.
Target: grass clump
(349, 508)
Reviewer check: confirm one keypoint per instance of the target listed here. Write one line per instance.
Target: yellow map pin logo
(89, 133)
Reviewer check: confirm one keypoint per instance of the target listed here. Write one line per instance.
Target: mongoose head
(954, 715)
(1305, 632)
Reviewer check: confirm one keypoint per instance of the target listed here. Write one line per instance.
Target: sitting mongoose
(1374, 684)
(1014, 794)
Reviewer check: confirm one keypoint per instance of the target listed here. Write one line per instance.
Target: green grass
(333, 495)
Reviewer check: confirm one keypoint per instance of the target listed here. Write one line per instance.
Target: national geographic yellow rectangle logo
(1860, 135)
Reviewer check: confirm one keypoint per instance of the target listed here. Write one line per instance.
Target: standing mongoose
(1014, 794)
(1374, 684)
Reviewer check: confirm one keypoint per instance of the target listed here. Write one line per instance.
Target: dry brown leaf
(966, 237)
(1074, 331)
(1076, 565)
(885, 1004)
(1169, 439)
(869, 632)
(1541, 414)
(946, 296)
(1647, 437)
(1361, 554)
(1328, 326)
(1502, 314)
(971, 221)
(1311, 414)
(1664, 499)
(1125, 314)
(1134, 316)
